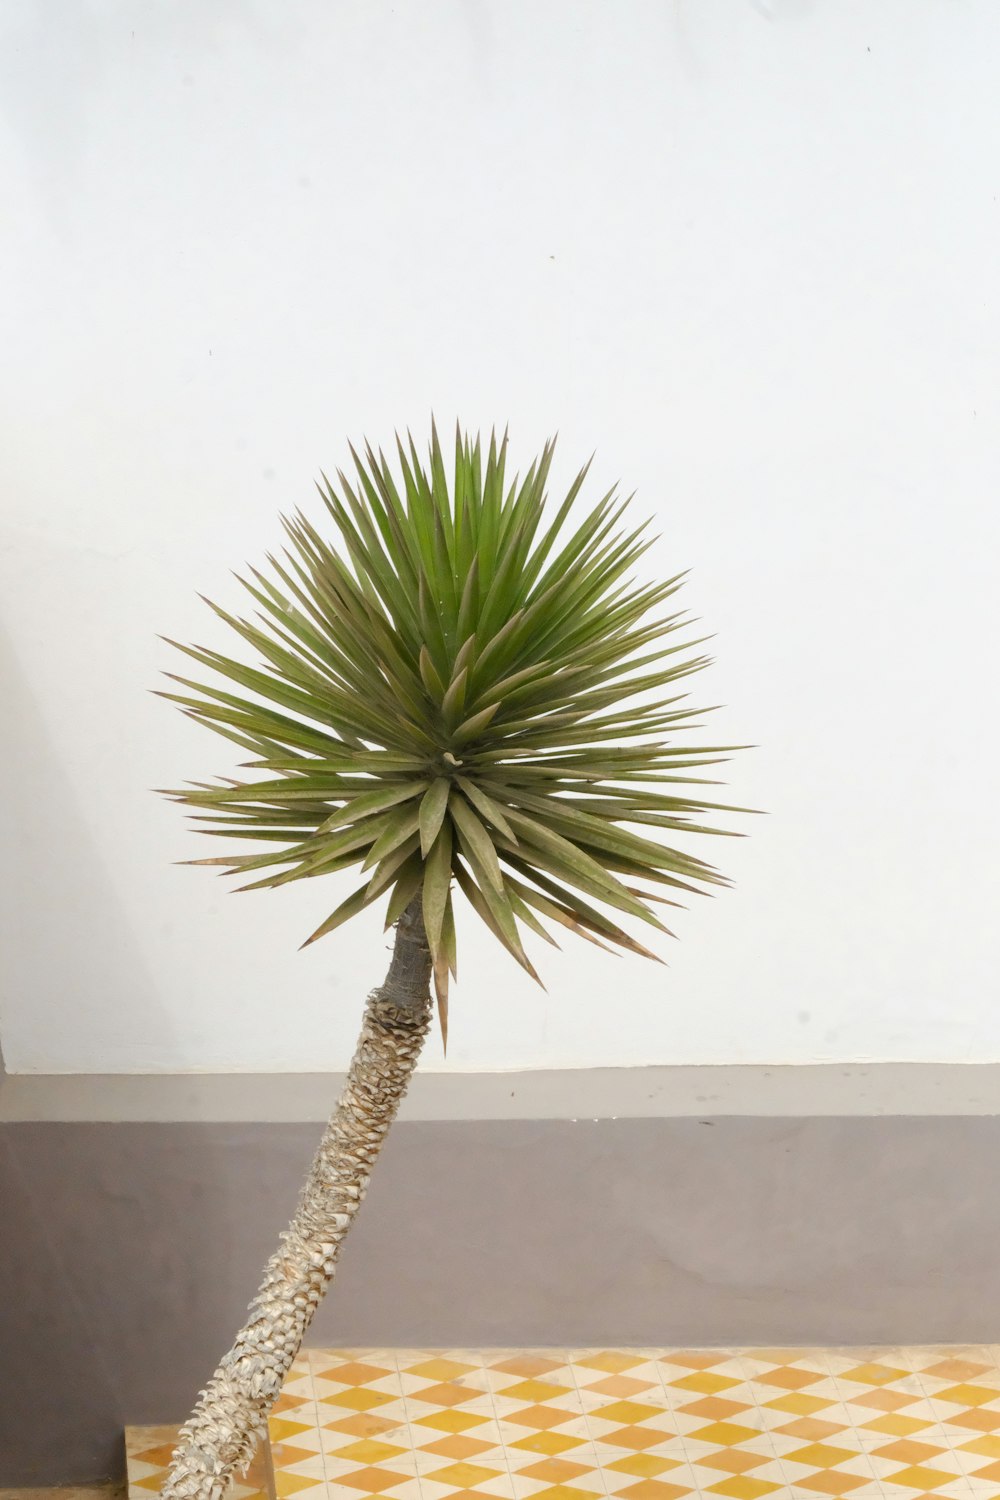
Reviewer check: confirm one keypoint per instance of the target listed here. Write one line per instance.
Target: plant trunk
(230, 1418)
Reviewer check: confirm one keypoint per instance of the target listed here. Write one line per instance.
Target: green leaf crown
(465, 690)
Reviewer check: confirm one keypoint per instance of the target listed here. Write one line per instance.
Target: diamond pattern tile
(147, 1454)
(640, 1424)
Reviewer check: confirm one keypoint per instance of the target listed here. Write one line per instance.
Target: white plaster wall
(749, 251)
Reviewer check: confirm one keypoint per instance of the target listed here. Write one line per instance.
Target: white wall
(749, 251)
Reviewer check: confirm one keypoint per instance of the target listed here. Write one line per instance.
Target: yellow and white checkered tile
(642, 1424)
(147, 1453)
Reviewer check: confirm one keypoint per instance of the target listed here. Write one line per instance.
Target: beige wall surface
(746, 251)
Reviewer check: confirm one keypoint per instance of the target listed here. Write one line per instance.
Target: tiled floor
(147, 1453)
(643, 1424)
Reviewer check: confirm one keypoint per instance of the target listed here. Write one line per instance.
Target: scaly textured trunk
(219, 1438)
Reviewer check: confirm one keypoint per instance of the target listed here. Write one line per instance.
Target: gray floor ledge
(802, 1091)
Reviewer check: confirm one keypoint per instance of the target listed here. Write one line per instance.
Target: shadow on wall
(65, 933)
(105, 1287)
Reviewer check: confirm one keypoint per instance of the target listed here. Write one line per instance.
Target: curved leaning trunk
(219, 1438)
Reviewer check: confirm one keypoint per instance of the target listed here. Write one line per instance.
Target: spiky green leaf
(451, 685)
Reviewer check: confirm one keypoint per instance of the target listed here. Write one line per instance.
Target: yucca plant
(459, 694)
